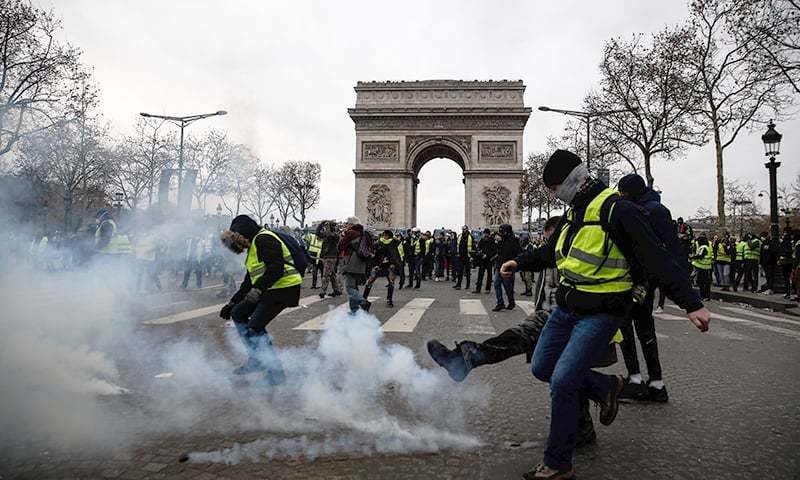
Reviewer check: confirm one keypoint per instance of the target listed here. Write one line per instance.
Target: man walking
(507, 249)
(461, 257)
(354, 266)
(329, 252)
(485, 257)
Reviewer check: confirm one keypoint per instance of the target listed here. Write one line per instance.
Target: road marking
(200, 312)
(715, 331)
(407, 318)
(471, 307)
(475, 319)
(183, 316)
(318, 322)
(762, 316)
(661, 336)
(783, 331)
(527, 306)
(667, 316)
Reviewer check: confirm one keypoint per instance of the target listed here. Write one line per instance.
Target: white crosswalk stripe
(527, 306)
(750, 323)
(201, 312)
(475, 319)
(407, 318)
(318, 322)
(762, 316)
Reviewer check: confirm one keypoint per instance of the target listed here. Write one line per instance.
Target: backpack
(300, 259)
(366, 247)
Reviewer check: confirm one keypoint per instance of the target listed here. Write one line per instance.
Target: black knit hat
(632, 184)
(245, 226)
(558, 166)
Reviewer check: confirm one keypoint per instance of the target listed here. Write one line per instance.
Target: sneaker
(609, 406)
(658, 395)
(499, 308)
(366, 305)
(633, 391)
(658, 310)
(543, 472)
(511, 306)
(252, 365)
(451, 360)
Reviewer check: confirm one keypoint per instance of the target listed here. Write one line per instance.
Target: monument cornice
(441, 122)
(440, 85)
(421, 111)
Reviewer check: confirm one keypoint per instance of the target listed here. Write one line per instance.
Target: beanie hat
(632, 184)
(245, 226)
(558, 166)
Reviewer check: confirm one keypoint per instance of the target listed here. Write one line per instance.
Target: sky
(285, 72)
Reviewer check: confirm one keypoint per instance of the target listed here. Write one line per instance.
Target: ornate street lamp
(772, 145)
(272, 220)
(219, 210)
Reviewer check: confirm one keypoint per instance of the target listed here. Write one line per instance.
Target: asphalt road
(733, 411)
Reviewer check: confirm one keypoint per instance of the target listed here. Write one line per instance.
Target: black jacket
(387, 253)
(486, 251)
(507, 249)
(649, 260)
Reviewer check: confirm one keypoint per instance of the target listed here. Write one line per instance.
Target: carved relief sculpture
(379, 205)
(496, 204)
(497, 152)
(380, 151)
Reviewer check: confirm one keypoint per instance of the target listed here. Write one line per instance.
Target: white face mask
(570, 186)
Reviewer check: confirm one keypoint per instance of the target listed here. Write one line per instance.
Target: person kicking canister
(517, 341)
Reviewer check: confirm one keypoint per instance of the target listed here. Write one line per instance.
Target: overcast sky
(285, 72)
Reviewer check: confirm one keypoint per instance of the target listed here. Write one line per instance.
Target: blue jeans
(351, 282)
(565, 350)
(507, 285)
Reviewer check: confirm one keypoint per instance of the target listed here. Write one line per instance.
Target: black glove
(253, 296)
(225, 313)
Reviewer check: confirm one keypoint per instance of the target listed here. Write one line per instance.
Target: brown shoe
(543, 472)
(610, 405)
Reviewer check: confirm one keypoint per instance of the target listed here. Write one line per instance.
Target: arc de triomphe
(400, 126)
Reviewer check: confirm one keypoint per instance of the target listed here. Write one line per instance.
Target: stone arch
(400, 126)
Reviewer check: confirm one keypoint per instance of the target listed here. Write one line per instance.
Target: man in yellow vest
(271, 284)
(739, 266)
(602, 248)
(702, 261)
(314, 247)
(107, 239)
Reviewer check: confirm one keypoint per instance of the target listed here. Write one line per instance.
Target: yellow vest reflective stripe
(753, 253)
(618, 338)
(704, 262)
(256, 268)
(417, 247)
(314, 245)
(722, 254)
(117, 244)
(592, 261)
(741, 248)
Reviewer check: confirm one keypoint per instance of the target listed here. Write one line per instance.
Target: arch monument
(400, 126)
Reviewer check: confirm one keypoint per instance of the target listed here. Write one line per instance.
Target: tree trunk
(648, 174)
(720, 179)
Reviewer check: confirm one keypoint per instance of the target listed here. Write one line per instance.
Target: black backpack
(300, 259)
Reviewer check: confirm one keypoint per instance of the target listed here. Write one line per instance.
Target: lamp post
(118, 198)
(182, 122)
(272, 220)
(772, 145)
(586, 117)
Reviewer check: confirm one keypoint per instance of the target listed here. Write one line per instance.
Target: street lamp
(219, 210)
(272, 220)
(772, 144)
(182, 122)
(587, 117)
(118, 198)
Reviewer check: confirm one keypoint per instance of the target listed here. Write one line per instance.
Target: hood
(245, 226)
(649, 195)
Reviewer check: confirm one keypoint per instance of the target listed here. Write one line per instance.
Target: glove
(225, 313)
(253, 296)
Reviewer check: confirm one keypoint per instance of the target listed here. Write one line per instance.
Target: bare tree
(37, 73)
(738, 91)
(258, 197)
(284, 201)
(154, 150)
(74, 155)
(774, 25)
(234, 184)
(655, 82)
(302, 185)
(127, 174)
(211, 156)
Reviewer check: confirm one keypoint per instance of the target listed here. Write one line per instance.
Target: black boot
(451, 360)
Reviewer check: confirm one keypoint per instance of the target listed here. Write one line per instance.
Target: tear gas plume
(78, 370)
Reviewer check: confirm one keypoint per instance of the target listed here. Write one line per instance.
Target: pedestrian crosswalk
(471, 316)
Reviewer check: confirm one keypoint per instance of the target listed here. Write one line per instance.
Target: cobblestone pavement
(733, 411)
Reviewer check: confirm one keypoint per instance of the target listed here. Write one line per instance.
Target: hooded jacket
(348, 248)
(647, 256)
(661, 220)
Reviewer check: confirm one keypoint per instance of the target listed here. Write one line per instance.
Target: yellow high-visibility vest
(256, 268)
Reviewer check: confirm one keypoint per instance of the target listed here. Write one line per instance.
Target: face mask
(570, 186)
